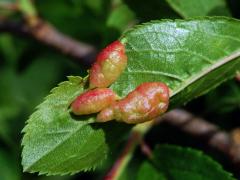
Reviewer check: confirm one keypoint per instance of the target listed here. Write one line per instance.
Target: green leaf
(190, 56)
(193, 8)
(120, 18)
(55, 143)
(147, 171)
(177, 163)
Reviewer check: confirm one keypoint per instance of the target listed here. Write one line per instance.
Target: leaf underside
(177, 163)
(190, 56)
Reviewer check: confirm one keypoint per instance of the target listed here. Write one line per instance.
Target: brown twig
(9, 6)
(227, 143)
(48, 35)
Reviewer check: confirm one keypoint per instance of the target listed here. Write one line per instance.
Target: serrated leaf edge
(201, 74)
(26, 133)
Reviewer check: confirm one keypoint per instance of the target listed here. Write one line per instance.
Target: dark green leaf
(177, 163)
(147, 171)
(190, 56)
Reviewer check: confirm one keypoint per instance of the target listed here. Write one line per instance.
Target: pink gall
(109, 64)
(146, 102)
(93, 101)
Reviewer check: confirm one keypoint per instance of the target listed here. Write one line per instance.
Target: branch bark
(227, 143)
(47, 34)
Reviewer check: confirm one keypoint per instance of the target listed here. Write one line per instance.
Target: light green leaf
(190, 56)
(55, 143)
(177, 163)
(194, 8)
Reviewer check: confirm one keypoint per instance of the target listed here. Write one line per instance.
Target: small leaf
(190, 56)
(55, 143)
(177, 163)
(193, 8)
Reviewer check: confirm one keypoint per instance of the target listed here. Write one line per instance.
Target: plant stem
(134, 140)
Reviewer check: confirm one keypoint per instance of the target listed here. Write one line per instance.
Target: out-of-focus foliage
(9, 169)
(177, 163)
(226, 98)
(195, 8)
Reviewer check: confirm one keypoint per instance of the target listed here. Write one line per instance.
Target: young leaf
(177, 163)
(190, 56)
(55, 143)
(194, 8)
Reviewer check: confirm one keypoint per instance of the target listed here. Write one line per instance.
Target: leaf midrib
(193, 79)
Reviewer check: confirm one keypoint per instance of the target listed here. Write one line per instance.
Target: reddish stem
(146, 150)
(130, 146)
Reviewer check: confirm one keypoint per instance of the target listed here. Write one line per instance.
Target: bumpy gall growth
(93, 101)
(146, 102)
(109, 64)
